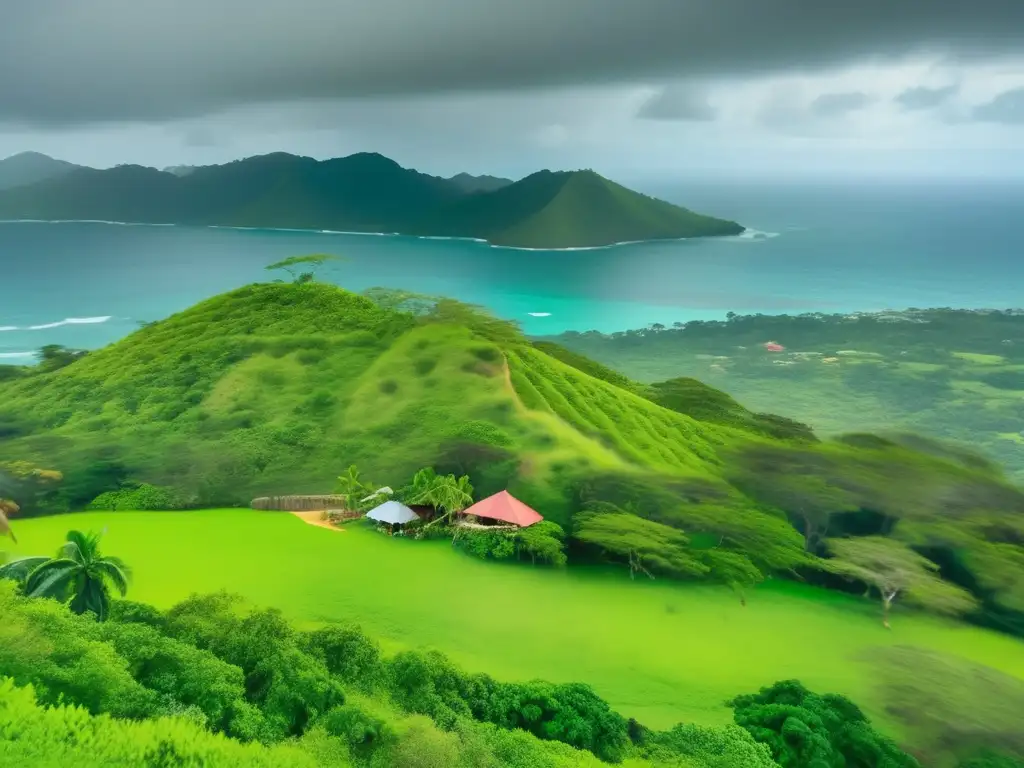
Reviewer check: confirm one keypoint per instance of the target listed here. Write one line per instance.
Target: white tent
(392, 512)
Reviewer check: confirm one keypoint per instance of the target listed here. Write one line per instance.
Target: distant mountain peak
(31, 167)
(467, 182)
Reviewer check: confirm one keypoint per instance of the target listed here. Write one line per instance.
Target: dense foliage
(804, 729)
(216, 682)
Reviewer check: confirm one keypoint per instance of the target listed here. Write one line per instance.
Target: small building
(392, 513)
(505, 508)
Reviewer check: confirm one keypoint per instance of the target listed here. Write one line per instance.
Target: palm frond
(112, 569)
(51, 579)
(20, 568)
(81, 547)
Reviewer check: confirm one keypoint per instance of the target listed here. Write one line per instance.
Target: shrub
(802, 728)
(69, 736)
(141, 498)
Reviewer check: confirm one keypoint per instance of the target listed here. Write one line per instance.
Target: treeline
(938, 329)
(215, 682)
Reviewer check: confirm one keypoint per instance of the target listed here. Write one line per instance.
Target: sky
(635, 89)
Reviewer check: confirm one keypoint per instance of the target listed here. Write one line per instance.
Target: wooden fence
(298, 503)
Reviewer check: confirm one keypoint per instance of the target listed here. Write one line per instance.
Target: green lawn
(660, 652)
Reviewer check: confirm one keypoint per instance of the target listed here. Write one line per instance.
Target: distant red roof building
(772, 346)
(505, 507)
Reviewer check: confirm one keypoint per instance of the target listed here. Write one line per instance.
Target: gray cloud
(921, 98)
(1006, 108)
(71, 62)
(839, 104)
(677, 102)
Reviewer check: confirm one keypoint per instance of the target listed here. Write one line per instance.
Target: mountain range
(365, 192)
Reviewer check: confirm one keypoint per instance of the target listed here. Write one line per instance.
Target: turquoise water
(823, 248)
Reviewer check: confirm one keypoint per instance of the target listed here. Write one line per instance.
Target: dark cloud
(921, 98)
(1006, 108)
(677, 102)
(70, 61)
(839, 104)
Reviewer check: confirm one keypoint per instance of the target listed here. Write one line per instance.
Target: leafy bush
(493, 545)
(806, 729)
(141, 498)
(543, 541)
(31, 734)
(729, 747)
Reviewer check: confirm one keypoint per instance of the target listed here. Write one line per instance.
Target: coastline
(746, 234)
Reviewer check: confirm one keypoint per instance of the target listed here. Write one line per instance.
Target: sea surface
(824, 247)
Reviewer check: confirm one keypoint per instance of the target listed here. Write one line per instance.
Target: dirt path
(316, 518)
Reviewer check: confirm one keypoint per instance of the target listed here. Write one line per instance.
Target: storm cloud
(1006, 108)
(678, 102)
(922, 97)
(69, 62)
(838, 104)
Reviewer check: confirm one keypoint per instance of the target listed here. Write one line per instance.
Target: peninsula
(365, 192)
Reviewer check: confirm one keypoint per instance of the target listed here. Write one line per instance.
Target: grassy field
(658, 651)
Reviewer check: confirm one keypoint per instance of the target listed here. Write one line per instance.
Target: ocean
(822, 248)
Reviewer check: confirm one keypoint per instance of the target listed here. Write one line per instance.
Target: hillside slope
(364, 193)
(274, 389)
(31, 167)
(572, 210)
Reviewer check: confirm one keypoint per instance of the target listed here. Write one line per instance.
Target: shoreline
(746, 234)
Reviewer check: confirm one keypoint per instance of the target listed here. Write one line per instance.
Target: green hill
(571, 210)
(31, 167)
(364, 193)
(273, 389)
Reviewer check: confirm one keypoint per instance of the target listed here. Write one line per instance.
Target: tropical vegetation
(218, 682)
(261, 389)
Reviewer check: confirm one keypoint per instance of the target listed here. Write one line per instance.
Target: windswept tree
(646, 546)
(894, 570)
(79, 575)
(796, 481)
(302, 269)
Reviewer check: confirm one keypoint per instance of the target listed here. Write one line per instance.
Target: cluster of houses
(502, 510)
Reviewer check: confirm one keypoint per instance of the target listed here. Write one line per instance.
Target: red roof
(505, 507)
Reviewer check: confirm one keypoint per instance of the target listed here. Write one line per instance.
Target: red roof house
(505, 507)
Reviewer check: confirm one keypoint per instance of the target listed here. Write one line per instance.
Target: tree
(893, 569)
(79, 573)
(302, 268)
(647, 546)
(795, 481)
(54, 356)
(352, 487)
(542, 541)
(445, 492)
(806, 729)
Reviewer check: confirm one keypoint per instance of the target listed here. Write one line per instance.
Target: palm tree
(351, 487)
(80, 574)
